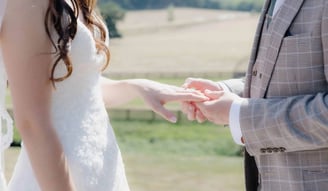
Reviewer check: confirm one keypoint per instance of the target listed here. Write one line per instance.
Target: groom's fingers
(191, 112)
(184, 107)
(195, 83)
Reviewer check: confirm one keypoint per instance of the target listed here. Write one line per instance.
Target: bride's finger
(195, 83)
(213, 94)
(187, 96)
(200, 116)
(162, 111)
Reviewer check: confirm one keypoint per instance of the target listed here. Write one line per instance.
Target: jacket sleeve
(295, 123)
(235, 85)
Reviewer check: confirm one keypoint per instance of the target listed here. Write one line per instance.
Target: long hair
(62, 18)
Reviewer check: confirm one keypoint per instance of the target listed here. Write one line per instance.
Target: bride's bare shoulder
(25, 11)
(24, 15)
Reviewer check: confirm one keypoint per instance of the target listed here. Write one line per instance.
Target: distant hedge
(113, 10)
(242, 5)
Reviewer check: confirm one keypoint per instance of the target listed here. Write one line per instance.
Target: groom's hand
(189, 108)
(217, 109)
(201, 84)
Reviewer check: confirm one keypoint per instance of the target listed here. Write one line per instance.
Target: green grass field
(181, 173)
(185, 138)
(178, 157)
(174, 172)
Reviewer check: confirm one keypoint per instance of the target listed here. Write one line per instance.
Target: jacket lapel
(255, 47)
(278, 29)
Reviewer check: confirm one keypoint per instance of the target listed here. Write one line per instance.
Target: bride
(6, 122)
(54, 51)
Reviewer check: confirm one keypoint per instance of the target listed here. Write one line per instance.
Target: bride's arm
(154, 94)
(26, 49)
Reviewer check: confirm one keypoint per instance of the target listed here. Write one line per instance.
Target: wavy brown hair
(62, 18)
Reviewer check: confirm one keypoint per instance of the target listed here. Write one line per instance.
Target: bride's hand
(156, 95)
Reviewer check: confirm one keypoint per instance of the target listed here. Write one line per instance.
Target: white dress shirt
(234, 115)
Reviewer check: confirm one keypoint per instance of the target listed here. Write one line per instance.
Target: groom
(282, 114)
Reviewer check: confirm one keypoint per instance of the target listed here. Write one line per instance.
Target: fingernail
(206, 98)
(173, 119)
(184, 86)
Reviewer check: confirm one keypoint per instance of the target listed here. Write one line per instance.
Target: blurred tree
(112, 13)
(245, 6)
(170, 12)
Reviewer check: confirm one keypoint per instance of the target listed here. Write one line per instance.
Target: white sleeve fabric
(234, 117)
(234, 122)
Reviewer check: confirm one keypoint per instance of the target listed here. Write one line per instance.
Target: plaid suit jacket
(285, 120)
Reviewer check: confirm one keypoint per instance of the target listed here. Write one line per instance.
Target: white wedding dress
(6, 124)
(82, 124)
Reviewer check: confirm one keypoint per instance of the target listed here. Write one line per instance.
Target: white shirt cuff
(234, 122)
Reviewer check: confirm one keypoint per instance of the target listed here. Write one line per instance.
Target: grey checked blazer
(285, 121)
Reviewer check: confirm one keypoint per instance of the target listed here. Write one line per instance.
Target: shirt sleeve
(234, 117)
(234, 122)
(224, 87)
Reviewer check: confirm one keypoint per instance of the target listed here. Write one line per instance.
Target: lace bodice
(6, 125)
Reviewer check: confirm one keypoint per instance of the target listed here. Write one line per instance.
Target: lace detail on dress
(6, 123)
(6, 127)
